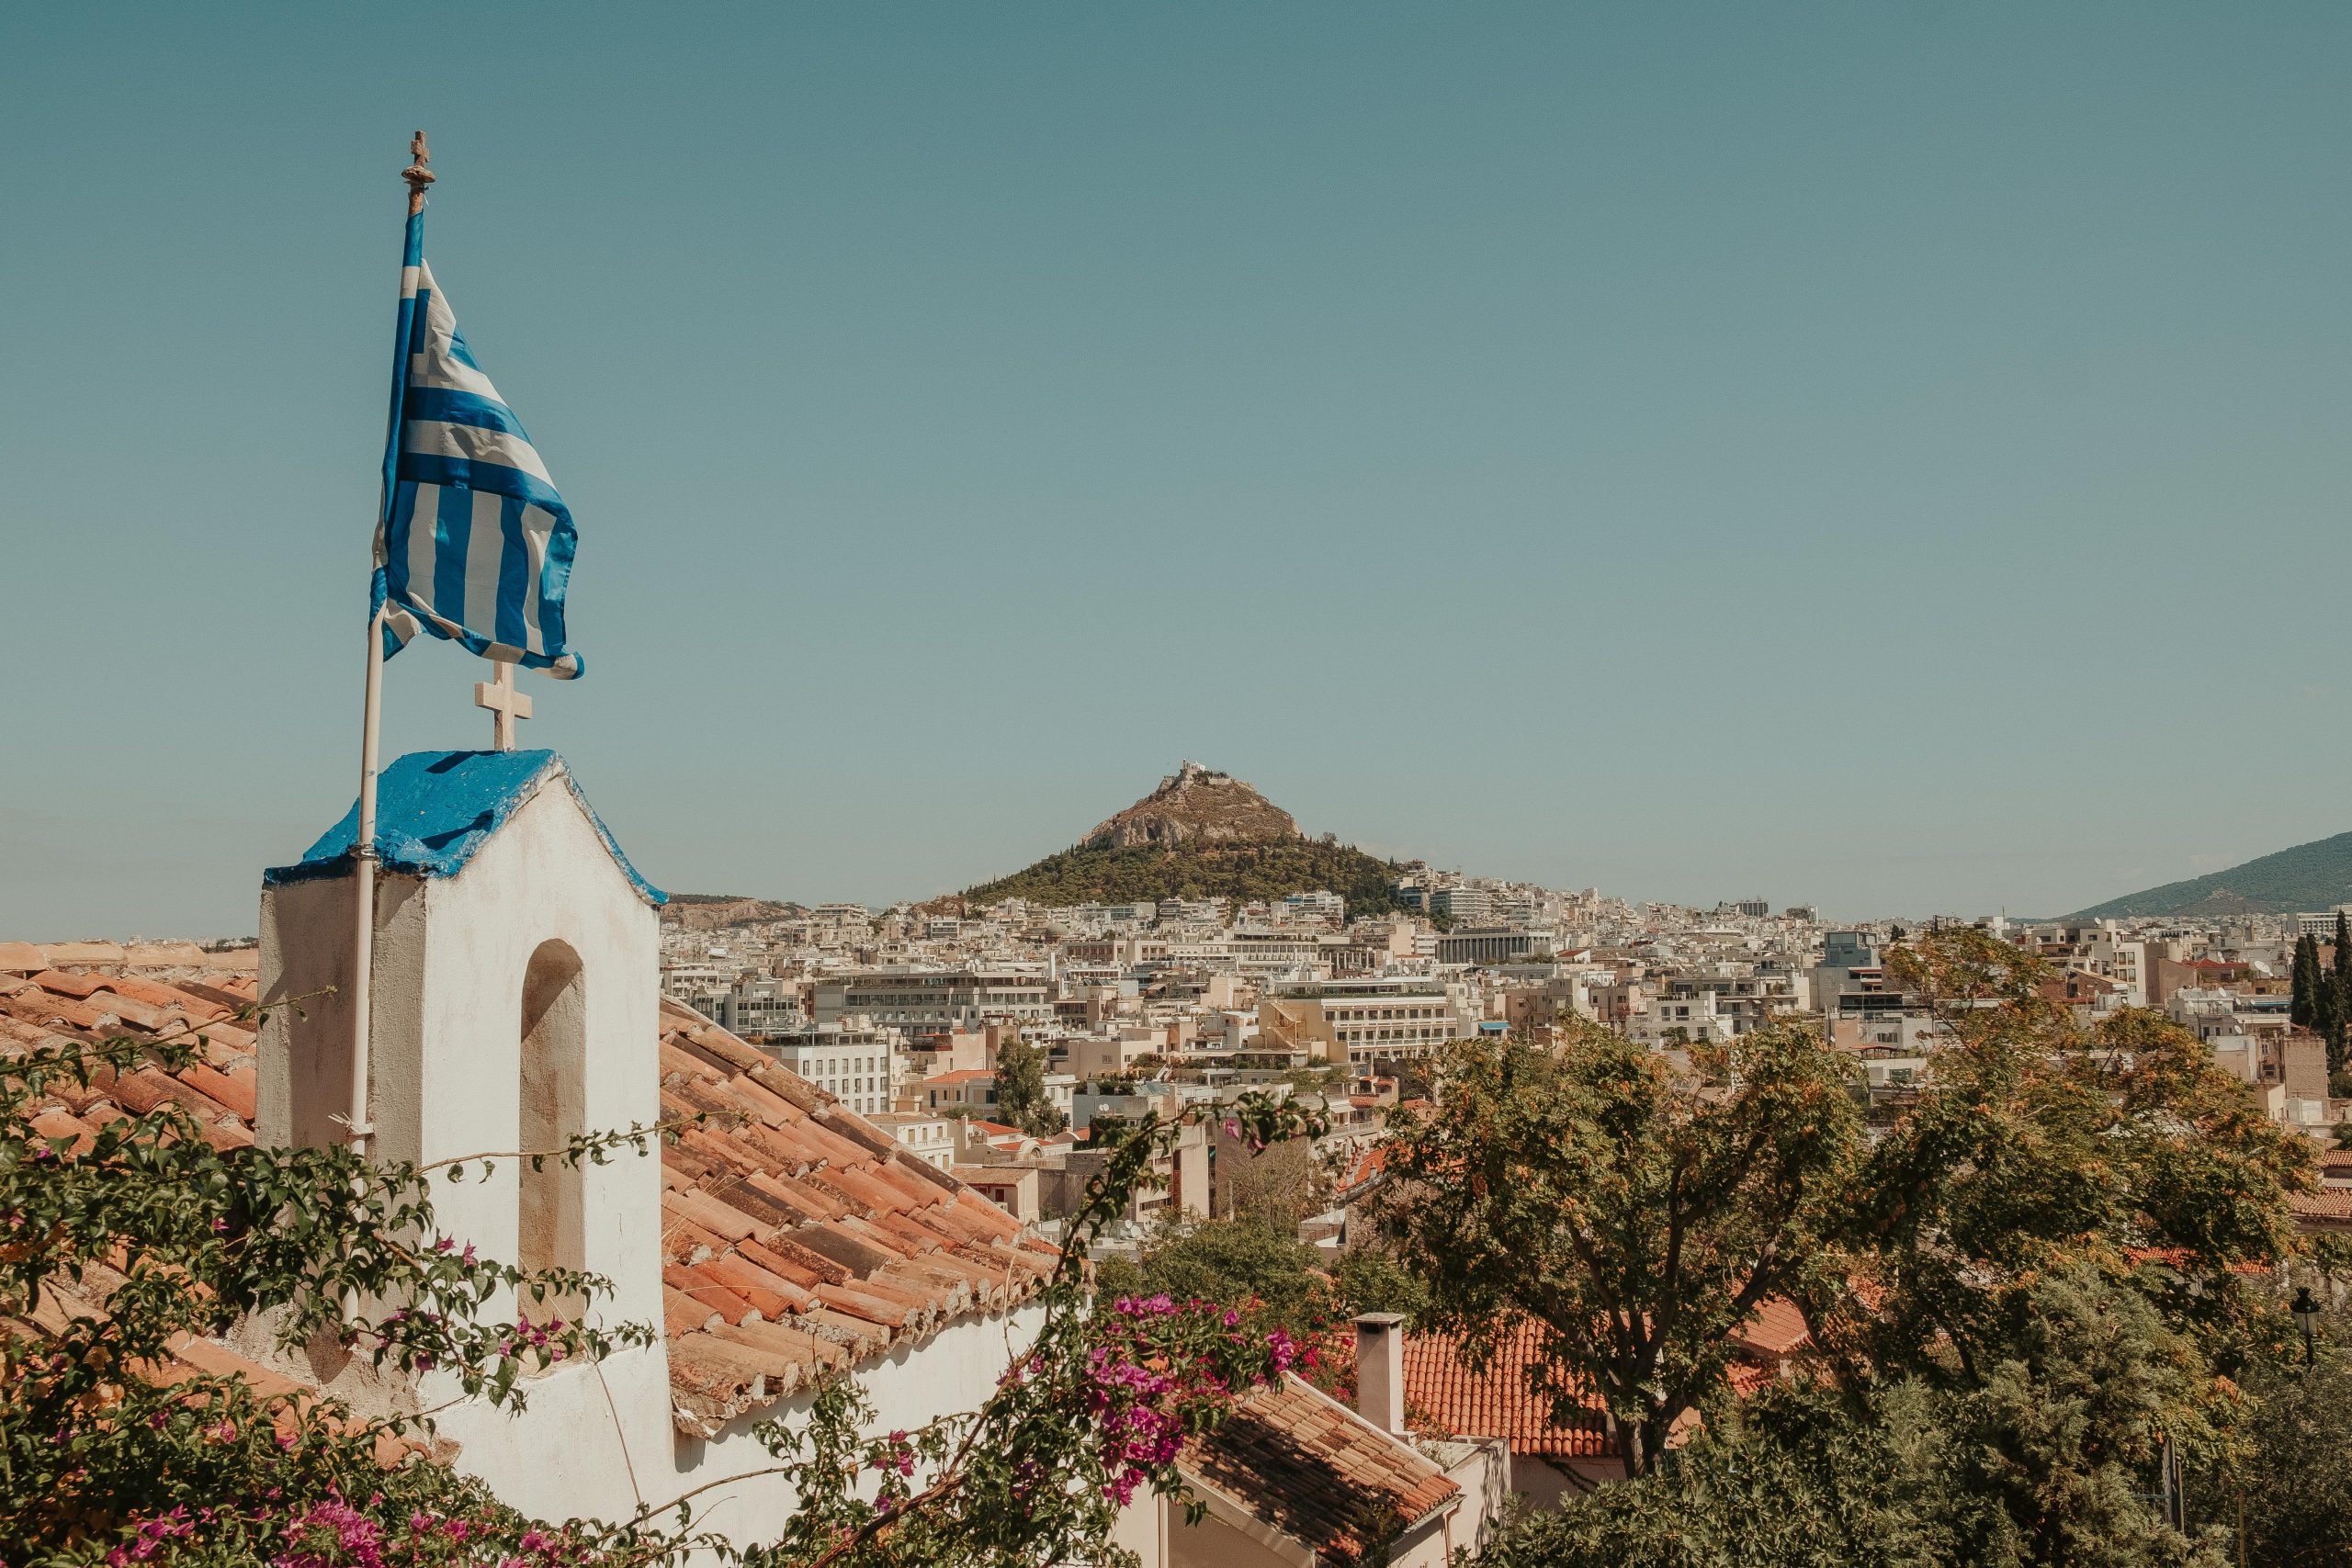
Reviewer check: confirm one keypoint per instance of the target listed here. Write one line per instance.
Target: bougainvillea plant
(126, 1251)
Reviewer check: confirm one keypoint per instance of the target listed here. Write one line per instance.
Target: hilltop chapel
(515, 1000)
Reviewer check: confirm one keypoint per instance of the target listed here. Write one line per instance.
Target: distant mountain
(1196, 805)
(2317, 875)
(1200, 835)
(709, 912)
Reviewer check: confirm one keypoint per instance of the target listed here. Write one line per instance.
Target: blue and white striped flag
(474, 543)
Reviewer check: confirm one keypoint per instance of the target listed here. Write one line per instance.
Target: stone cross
(505, 705)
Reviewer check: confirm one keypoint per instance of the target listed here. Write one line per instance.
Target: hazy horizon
(812, 899)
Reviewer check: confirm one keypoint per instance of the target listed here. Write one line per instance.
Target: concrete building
(927, 1003)
(1366, 1020)
(1012, 1188)
(1462, 906)
(931, 1139)
(1686, 1021)
(843, 1059)
(759, 1008)
(1495, 944)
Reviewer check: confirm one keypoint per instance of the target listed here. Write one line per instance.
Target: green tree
(2338, 991)
(2288, 1486)
(1269, 1277)
(2037, 1144)
(1021, 1098)
(1637, 1221)
(1241, 1263)
(1370, 1278)
(2049, 1268)
(2302, 1005)
(1242, 871)
(2045, 1461)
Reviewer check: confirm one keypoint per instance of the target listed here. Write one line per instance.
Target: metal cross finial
(505, 705)
(418, 175)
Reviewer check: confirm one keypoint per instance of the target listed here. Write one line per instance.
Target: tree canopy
(1020, 1097)
(1247, 872)
(2048, 1273)
(1636, 1215)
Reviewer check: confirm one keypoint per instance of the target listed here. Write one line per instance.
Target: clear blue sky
(1892, 456)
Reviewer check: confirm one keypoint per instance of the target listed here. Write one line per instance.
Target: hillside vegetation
(1112, 875)
(2317, 875)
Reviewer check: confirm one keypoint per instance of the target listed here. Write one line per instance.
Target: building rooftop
(1296, 1459)
(797, 1238)
(436, 809)
(1443, 1393)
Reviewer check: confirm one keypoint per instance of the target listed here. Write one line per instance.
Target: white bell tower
(516, 978)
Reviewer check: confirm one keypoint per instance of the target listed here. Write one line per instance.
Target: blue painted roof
(435, 809)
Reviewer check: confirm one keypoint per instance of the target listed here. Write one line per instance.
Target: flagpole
(363, 946)
(363, 960)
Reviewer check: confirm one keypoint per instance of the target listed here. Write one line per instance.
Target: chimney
(1380, 1369)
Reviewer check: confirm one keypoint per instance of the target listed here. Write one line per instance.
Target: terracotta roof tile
(1444, 1393)
(680, 1313)
(804, 1196)
(234, 1093)
(1299, 1461)
(779, 1205)
(75, 986)
(776, 1263)
(2326, 1209)
(1776, 1329)
(748, 1276)
(708, 1290)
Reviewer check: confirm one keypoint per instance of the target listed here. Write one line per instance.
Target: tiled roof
(1369, 1166)
(1442, 1391)
(63, 1301)
(32, 957)
(2327, 1209)
(46, 1004)
(1297, 1460)
(1775, 1329)
(803, 1237)
(796, 1237)
(217, 1089)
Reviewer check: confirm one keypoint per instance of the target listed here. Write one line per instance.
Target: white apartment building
(1316, 906)
(931, 1139)
(937, 1001)
(1262, 954)
(1464, 906)
(702, 986)
(759, 1008)
(1367, 1021)
(857, 1065)
(1680, 1021)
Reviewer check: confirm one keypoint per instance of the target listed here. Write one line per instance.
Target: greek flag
(474, 543)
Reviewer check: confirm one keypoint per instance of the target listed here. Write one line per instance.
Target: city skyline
(1880, 461)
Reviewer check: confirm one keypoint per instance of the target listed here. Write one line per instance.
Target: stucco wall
(451, 954)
